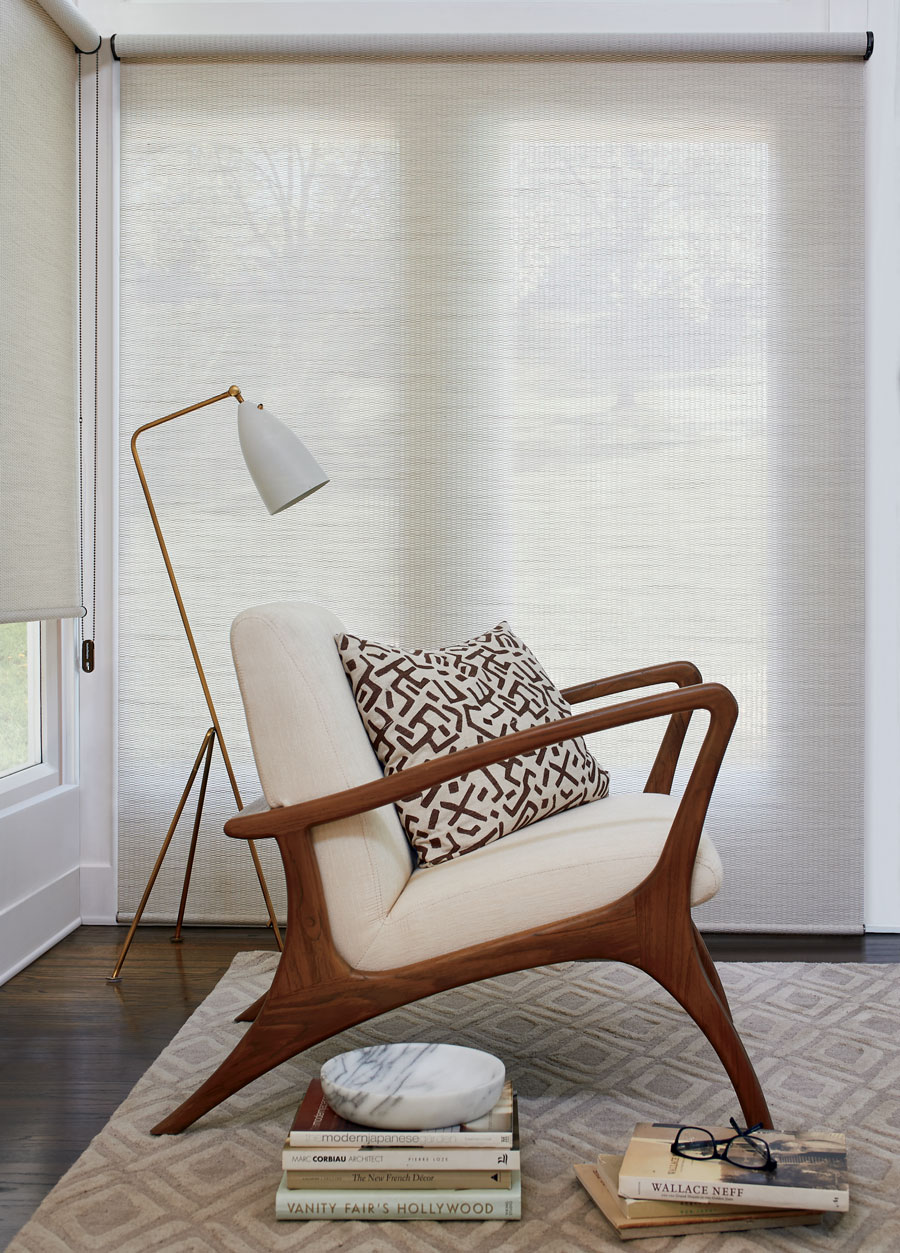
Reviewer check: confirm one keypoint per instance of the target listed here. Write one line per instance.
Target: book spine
(401, 1139)
(400, 1179)
(400, 1159)
(766, 1196)
(470, 1205)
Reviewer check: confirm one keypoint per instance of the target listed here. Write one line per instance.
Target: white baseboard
(98, 894)
(33, 925)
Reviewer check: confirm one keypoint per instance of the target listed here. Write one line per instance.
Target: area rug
(591, 1048)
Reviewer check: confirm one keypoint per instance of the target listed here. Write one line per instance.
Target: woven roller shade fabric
(578, 340)
(39, 565)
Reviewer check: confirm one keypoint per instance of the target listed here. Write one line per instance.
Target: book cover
(402, 1179)
(373, 1205)
(608, 1167)
(434, 1158)
(317, 1125)
(630, 1228)
(811, 1173)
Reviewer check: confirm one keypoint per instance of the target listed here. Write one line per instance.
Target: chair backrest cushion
(308, 741)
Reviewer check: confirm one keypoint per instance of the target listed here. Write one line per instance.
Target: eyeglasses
(743, 1149)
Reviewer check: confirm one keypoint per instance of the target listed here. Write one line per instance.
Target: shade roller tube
(73, 23)
(39, 554)
(840, 45)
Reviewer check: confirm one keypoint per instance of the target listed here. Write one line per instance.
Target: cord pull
(87, 656)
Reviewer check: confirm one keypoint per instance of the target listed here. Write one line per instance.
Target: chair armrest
(713, 697)
(684, 673)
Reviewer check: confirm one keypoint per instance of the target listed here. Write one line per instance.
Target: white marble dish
(410, 1087)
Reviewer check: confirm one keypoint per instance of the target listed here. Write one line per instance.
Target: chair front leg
(710, 967)
(682, 965)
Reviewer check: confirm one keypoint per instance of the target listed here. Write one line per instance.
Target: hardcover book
(435, 1158)
(375, 1205)
(811, 1171)
(316, 1125)
(401, 1179)
(629, 1227)
(608, 1167)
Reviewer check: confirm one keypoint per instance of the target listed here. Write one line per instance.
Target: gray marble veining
(412, 1086)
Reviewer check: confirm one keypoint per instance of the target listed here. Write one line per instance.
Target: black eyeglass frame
(721, 1146)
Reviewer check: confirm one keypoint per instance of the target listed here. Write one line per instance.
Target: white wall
(883, 441)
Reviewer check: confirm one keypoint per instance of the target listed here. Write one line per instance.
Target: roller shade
(579, 340)
(39, 557)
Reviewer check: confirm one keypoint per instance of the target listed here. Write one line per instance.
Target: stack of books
(653, 1192)
(337, 1169)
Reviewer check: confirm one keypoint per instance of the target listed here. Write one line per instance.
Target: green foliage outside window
(13, 695)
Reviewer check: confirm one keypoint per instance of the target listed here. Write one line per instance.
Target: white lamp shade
(280, 465)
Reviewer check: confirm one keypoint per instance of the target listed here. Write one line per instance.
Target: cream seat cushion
(576, 860)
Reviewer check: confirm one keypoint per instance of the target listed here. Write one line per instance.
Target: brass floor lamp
(284, 472)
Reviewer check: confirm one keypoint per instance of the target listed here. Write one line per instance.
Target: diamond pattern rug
(592, 1049)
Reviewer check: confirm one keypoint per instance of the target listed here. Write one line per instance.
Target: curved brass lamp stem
(216, 729)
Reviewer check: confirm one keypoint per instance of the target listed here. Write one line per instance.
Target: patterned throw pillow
(422, 704)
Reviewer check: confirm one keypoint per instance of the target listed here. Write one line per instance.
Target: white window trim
(98, 712)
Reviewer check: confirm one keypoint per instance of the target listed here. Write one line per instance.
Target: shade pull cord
(87, 642)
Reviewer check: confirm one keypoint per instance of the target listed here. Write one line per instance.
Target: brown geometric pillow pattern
(421, 704)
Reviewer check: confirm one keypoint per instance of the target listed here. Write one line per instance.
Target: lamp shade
(281, 466)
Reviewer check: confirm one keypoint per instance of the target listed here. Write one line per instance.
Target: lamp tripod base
(204, 756)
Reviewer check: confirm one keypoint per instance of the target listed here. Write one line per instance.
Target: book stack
(652, 1192)
(336, 1169)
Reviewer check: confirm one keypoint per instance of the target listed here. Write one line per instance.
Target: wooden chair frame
(315, 993)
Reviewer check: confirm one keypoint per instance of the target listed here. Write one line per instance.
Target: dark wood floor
(72, 1046)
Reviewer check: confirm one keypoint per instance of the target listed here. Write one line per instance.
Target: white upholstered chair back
(308, 741)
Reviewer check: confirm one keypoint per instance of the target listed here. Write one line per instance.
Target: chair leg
(268, 1042)
(289, 1019)
(710, 967)
(683, 970)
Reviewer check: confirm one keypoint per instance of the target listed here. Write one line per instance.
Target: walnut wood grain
(315, 994)
(685, 674)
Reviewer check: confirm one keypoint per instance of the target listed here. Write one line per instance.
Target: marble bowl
(410, 1087)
